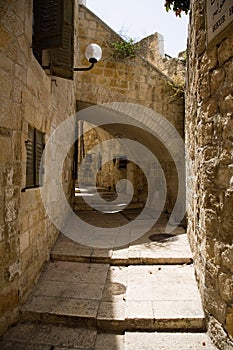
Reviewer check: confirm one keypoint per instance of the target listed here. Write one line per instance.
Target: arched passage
(120, 122)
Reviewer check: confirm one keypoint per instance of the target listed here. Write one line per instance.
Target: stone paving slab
(75, 272)
(82, 313)
(100, 219)
(116, 298)
(30, 336)
(168, 341)
(164, 297)
(35, 336)
(110, 342)
(67, 292)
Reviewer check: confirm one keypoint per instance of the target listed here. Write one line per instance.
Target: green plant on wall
(176, 88)
(183, 56)
(124, 49)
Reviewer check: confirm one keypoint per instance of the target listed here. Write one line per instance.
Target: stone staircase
(140, 296)
(107, 195)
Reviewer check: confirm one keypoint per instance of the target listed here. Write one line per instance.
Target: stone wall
(152, 50)
(133, 80)
(28, 96)
(209, 130)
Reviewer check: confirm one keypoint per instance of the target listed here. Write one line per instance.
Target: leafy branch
(177, 6)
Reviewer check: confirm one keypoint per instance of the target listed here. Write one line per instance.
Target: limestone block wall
(152, 50)
(28, 96)
(209, 130)
(132, 80)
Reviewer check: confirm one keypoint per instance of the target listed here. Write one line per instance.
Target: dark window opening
(121, 161)
(99, 162)
(34, 147)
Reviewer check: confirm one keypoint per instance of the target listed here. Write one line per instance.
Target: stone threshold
(120, 261)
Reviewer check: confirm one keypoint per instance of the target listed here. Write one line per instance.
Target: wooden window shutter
(30, 158)
(39, 147)
(48, 24)
(62, 58)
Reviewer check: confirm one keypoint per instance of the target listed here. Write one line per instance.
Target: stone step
(108, 196)
(96, 204)
(34, 336)
(116, 299)
(91, 189)
(83, 206)
(153, 248)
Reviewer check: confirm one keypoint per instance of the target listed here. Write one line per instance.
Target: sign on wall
(219, 18)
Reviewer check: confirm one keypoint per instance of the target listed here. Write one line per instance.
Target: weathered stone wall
(132, 80)
(152, 50)
(209, 130)
(28, 96)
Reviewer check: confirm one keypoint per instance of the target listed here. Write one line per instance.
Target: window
(120, 161)
(35, 147)
(53, 35)
(99, 161)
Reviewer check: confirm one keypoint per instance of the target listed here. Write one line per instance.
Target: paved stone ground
(167, 250)
(140, 296)
(115, 298)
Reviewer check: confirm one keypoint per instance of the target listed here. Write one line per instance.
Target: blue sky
(138, 19)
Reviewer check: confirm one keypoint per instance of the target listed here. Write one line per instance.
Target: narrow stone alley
(140, 296)
(154, 132)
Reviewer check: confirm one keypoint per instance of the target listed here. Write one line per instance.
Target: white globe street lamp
(93, 54)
